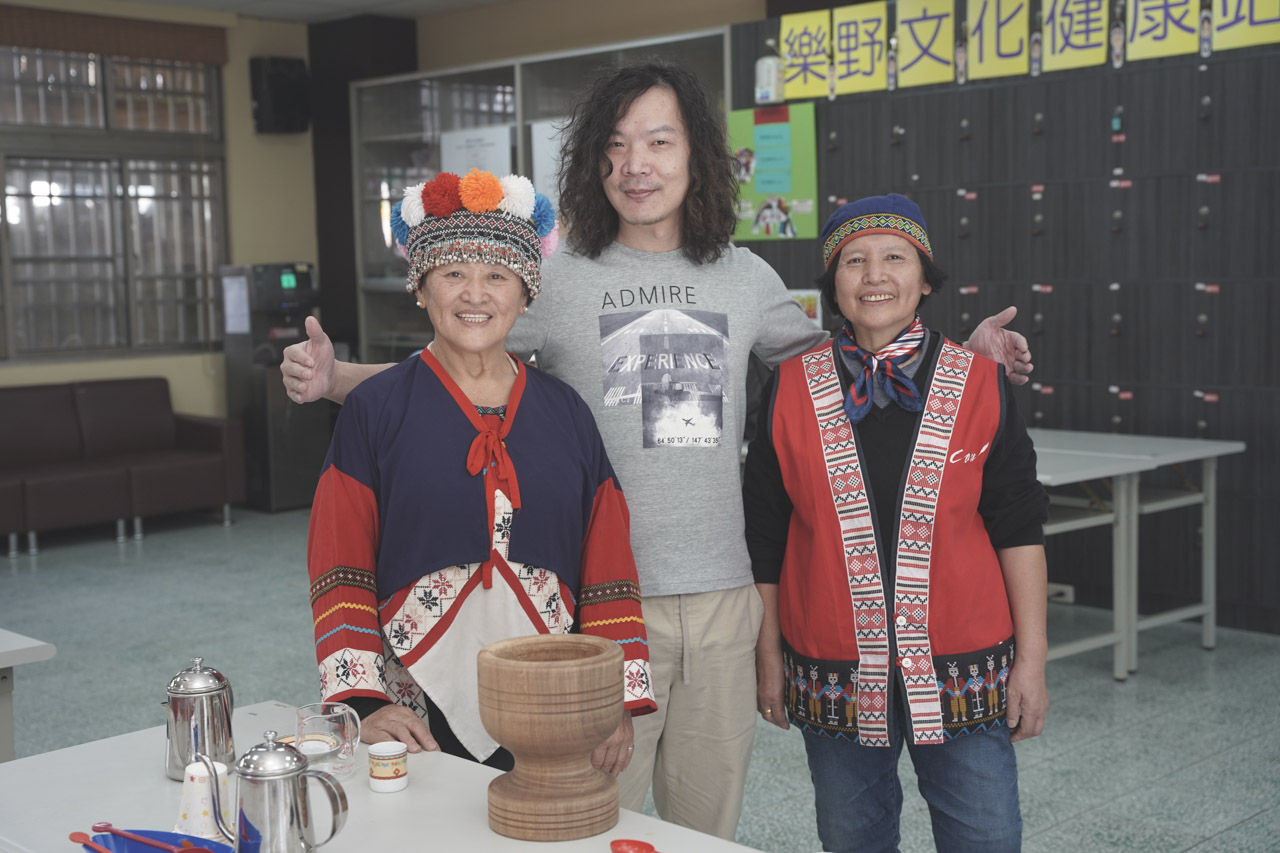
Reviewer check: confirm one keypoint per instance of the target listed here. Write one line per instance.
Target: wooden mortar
(551, 700)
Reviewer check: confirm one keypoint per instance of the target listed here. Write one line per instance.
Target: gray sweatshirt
(658, 347)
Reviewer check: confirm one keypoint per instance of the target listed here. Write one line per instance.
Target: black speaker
(281, 94)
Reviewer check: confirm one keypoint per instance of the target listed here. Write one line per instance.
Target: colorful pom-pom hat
(477, 218)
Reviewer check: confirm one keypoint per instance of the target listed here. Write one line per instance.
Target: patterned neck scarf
(882, 366)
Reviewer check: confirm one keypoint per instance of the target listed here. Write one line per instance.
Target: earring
(422, 304)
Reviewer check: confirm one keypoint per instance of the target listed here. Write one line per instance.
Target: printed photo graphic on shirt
(672, 364)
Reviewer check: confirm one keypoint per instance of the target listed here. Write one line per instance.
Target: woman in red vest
(895, 525)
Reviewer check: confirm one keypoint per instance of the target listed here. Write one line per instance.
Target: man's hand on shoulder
(1003, 345)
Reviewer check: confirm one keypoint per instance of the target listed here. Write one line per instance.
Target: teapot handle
(337, 801)
(213, 791)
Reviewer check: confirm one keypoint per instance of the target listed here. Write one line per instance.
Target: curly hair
(708, 215)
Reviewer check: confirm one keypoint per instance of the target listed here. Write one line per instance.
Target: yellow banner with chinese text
(1162, 28)
(926, 42)
(806, 47)
(998, 36)
(1075, 34)
(859, 37)
(1245, 23)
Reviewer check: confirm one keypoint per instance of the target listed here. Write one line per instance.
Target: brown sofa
(90, 452)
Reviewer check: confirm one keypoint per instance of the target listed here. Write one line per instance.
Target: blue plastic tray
(117, 844)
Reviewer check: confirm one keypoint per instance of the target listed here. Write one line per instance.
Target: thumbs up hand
(307, 370)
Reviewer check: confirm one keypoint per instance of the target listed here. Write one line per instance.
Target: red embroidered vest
(949, 596)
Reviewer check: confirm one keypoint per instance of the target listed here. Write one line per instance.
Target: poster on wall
(485, 148)
(777, 172)
(810, 302)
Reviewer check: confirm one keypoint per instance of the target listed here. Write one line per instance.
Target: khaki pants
(696, 746)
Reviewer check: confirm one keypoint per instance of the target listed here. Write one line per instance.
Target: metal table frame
(1061, 469)
(1069, 456)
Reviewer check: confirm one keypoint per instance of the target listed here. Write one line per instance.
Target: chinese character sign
(1162, 28)
(1075, 34)
(926, 42)
(806, 44)
(859, 37)
(998, 35)
(1245, 23)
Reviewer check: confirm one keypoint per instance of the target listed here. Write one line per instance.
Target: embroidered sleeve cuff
(353, 672)
(638, 688)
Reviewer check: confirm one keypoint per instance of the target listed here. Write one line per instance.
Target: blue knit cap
(878, 214)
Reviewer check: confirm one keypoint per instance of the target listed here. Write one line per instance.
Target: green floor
(1185, 755)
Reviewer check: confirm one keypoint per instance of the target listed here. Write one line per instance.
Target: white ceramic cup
(195, 813)
(388, 766)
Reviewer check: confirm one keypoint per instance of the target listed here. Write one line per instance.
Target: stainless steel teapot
(198, 718)
(273, 812)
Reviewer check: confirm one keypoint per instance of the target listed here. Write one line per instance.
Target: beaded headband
(477, 218)
(885, 214)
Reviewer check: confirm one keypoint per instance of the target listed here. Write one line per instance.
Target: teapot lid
(197, 678)
(271, 759)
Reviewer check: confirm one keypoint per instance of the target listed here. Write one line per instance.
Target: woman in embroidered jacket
(895, 525)
(466, 498)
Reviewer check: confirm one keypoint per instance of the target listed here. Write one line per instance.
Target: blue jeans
(970, 784)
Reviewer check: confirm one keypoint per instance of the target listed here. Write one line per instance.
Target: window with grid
(113, 203)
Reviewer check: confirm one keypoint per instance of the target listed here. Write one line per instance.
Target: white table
(1124, 457)
(15, 650)
(1056, 468)
(122, 780)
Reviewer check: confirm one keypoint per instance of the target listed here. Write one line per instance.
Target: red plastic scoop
(83, 838)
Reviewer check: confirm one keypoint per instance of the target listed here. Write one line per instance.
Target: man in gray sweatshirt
(651, 316)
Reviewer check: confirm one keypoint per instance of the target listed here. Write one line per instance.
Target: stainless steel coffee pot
(273, 811)
(198, 718)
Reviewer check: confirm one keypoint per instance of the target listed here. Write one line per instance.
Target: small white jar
(388, 766)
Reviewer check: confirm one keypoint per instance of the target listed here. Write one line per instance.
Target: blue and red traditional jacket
(437, 530)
